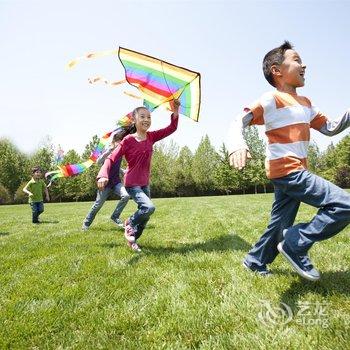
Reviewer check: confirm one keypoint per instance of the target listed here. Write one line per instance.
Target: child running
(137, 149)
(114, 185)
(35, 189)
(288, 118)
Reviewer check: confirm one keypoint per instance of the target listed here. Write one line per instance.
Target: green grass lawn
(62, 288)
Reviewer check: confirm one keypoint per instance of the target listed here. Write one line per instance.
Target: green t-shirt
(37, 188)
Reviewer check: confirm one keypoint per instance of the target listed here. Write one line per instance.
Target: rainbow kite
(160, 82)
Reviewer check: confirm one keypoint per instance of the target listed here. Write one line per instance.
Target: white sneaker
(84, 227)
(135, 247)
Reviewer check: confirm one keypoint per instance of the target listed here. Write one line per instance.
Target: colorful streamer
(125, 126)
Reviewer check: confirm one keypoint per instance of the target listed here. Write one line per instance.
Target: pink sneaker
(135, 247)
(129, 232)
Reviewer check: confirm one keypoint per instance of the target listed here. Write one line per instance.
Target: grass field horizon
(62, 288)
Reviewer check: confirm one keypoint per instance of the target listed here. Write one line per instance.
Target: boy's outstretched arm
(328, 127)
(237, 147)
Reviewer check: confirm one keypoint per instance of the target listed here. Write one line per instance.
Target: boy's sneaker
(129, 232)
(260, 270)
(300, 263)
(135, 247)
(118, 222)
(84, 227)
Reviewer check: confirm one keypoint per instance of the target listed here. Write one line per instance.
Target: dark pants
(302, 186)
(37, 209)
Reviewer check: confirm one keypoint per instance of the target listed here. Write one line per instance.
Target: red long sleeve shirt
(138, 155)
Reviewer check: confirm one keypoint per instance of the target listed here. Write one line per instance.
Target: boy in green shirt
(35, 189)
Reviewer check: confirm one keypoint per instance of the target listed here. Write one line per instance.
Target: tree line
(175, 171)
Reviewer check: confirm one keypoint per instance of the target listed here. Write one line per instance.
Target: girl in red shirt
(137, 149)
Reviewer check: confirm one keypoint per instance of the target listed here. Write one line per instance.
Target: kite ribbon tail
(53, 175)
(132, 95)
(107, 82)
(71, 64)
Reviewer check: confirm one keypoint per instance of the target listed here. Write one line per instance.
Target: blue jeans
(332, 216)
(37, 209)
(141, 196)
(102, 196)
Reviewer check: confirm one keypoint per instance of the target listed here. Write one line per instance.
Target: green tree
(88, 177)
(226, 178)
(5, 196)
(254, 173)
(343, 151)
(13, 165)
(44, 158)
(314, 158)
(163, 165)
(205, 163)
(21, 197)
(184, 182)
(342, 176)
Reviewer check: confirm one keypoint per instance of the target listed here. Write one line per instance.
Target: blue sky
(224, 40)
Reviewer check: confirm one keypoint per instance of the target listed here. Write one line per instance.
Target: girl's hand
(174, 105)
(101, 183)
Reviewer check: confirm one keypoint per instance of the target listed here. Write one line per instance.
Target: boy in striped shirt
(288, 118)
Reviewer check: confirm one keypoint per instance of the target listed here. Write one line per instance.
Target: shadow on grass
(135, 259)
(4, 233)
(113, 229)
(219, 244)
(223, 243)
(110, 245)
(49, 221)
(331, 282)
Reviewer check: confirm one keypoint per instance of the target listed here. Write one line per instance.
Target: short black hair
(275, 56)
(36, 168)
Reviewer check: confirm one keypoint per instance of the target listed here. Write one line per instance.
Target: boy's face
(143, 120)
(37, 174)
(292, 69)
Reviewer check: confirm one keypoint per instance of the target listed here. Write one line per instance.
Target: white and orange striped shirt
(287, 119)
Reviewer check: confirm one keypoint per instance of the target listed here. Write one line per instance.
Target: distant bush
(5, 197)
(20, 196)
(342, 176)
